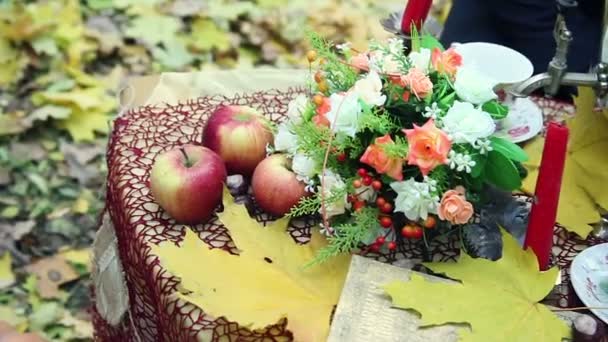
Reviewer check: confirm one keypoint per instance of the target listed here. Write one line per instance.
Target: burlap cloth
(132, 290)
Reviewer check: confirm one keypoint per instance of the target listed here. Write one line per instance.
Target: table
(138, 135)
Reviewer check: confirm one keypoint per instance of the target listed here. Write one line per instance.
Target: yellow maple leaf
(498, 299)
(585, 182)
(263, 284)
(82, 125)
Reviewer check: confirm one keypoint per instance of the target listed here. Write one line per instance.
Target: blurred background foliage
(62, 63)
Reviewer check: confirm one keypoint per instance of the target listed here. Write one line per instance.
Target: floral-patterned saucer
(524, 121)
(589, 276)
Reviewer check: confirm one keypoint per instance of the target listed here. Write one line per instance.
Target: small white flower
(415, 199)
(431, 111)
(461, 162)
(384, 63)
(296, 107)
(345, 113)
(285, 140)
(369, 89)
(483, 145)
(395, 46)
(465, 124)
(333, 183)
(344, 47)
(421, 59)
(304, 167)
(472, 86)
(431, 182)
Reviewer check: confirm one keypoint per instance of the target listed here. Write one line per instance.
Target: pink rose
(428, 146)
(418, 83)
(360, 61)
(454, 207)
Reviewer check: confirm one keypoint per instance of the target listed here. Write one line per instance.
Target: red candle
(539, 236)
(415, 13)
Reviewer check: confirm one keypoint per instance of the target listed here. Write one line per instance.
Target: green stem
(188, 162)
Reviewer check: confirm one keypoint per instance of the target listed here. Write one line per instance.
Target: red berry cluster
(414, 231)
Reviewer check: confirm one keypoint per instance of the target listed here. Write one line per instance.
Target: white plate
(589, 276)
(505, 65)
(524, 121)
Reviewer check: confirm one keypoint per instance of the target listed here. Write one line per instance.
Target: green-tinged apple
(239, 134)
(275, 187)
(188, 183)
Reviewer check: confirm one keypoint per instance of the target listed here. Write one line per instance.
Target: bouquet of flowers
(394, 145)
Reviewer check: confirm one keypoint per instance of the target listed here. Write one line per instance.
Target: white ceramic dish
(524, 122)
(505, 65)
(589, 276)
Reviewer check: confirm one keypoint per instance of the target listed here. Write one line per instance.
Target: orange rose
(446, 62)
(375, 157)
(419, 83)
(428, 146)
(455, 208)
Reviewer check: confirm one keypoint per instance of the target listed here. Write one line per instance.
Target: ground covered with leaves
(62, 63)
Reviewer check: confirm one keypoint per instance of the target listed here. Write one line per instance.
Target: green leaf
(427, 41)
(508, 149)
(206, 35)
(496, 110)
(480, 164)
(173, 56)
(501, 172)
(153, 29)
(9, 212)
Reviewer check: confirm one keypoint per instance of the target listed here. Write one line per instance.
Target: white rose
(369, 89)
(285, 140)
(414, 199)
(345, 113)
(303, 166)
(473, 86)
(421, 59)
(465, 124)
(296, 107)
(333, 182)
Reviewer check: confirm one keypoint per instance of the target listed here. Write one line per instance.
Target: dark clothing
(527, 26)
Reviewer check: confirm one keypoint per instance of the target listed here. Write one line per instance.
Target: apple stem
(188, 163)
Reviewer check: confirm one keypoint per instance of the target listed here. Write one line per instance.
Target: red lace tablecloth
(154, 315)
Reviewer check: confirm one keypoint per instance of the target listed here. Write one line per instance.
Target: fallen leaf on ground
(12, 123)
(7, 278)
(16, 230)
(50, 274)
(45, 314)
(8, 315)
(263, 284)
(30, 150)
(499, 299)
(82, 329)
(5, 176)
(47, 112)
(78, 256)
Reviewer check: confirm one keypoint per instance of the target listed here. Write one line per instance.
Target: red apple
(188, 182)
(275, 187)
(239, 134)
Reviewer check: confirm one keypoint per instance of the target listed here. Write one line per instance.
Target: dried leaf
(15, 230)
(499, 299)
(5, 175)
(29, 150)
(49, 111)
(206, 35)
(7, 278)
(153, 29)
(266, 282)
(50, 274)
(12, 123)
(82, 124)
(82, 329)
